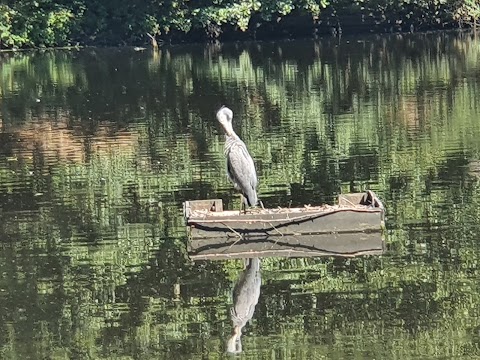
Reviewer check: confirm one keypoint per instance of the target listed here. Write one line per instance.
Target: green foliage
(40, 23)
(226, 12)
(468, 11)
(403, 14)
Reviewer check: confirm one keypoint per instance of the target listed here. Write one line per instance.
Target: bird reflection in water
(245, 296)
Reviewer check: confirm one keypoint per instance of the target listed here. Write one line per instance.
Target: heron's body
(240, 167)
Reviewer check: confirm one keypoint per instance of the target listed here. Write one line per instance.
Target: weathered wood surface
(367, 198)
(213, 205)
(344, 245)
(320, 221)
(354, 226)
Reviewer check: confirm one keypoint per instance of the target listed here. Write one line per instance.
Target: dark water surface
(100, 147)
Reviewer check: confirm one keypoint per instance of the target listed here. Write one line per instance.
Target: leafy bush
(26, 23)
(37, 23)
(468, 11)
(7, 36)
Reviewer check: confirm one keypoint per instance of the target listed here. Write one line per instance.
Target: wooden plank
(350, 199)
(356, 213)
(368, 198)
(344, 245)
(318, 222)
(211, 205)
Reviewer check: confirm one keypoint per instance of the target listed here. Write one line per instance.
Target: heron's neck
(232, 136)
(229, 130)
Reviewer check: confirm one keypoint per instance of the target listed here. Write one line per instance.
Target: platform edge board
(355, 213)
(345, 221)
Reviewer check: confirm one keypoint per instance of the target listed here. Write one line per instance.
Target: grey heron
(245, 297)
(240, 167)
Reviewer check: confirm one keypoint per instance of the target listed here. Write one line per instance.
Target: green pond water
(99, 148)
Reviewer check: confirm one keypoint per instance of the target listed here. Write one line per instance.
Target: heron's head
(224, 117)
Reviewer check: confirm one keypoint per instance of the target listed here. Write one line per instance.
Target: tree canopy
(49, 23)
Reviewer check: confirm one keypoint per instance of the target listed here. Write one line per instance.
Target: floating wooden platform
(352, 227)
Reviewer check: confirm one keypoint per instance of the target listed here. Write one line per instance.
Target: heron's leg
(242, 204)
(261, 204)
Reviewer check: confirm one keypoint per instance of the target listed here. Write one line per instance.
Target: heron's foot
(257, 208)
